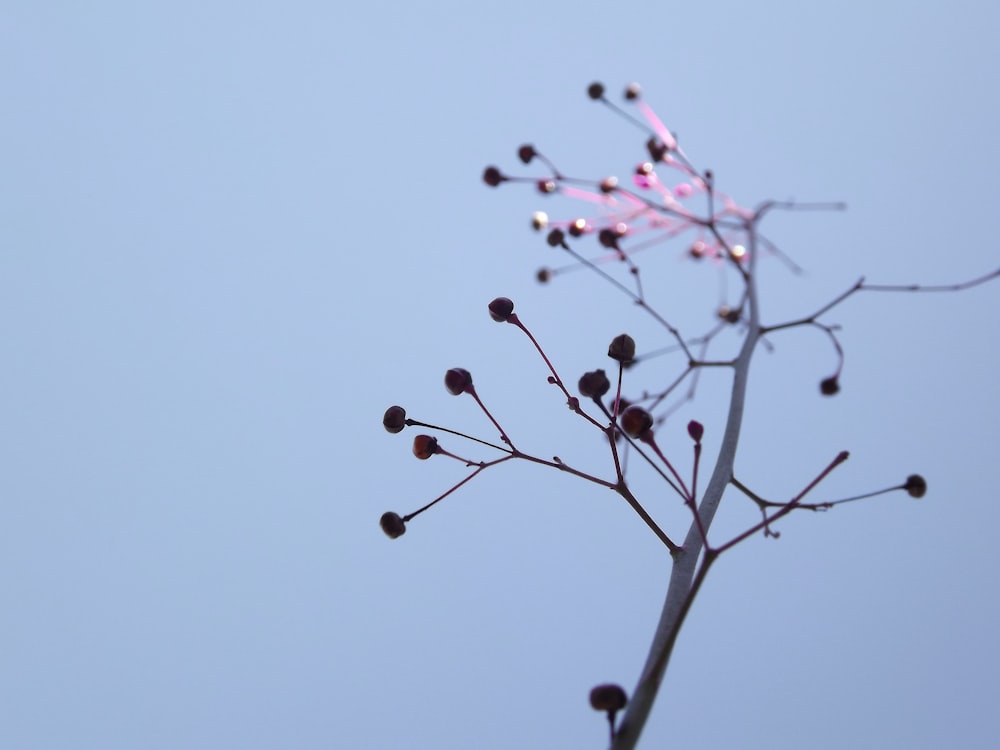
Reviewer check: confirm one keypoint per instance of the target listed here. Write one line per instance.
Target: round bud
(608, 238)
(578, 227)
(526, 153)
(657, 151)
(696, 430)
(424, 446)
(595, 90)
(729, 314)
(457, 381)
(829, 386)
(697, 249)
(544, 275)
(916, 485)
(501, 309)
(632, 92)
(394, 419)
(644, 169)
(556, 238)
(609, 184)
(594, 384)
(392, 524)
(493, 176)
(609, 697)
(546, 186)
(622, 348)
(539, 220)
(636, 421)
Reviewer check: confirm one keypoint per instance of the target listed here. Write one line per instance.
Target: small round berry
(424, 446)
(578, 227)
(632, 92)
(457, 381)
(526, 153)
(594, 384)
(394, 419)
(636, 421)
(595, 90)
(916, 485)
(392, 524)
(829, 386)
(546, 186)
(539, 220)
(622, 348)
(645, 169)
(556, 238)
(608, 698)
(544, 275)
(697, 250)
(501, 309)
(609, 184)
(493, 176)
(696, 430)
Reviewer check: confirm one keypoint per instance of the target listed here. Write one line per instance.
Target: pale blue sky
(233, 233)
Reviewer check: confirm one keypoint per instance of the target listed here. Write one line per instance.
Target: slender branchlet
(664, 200)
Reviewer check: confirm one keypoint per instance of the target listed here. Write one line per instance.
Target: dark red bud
(595, 90)
(501, 309)
(394, 419)
(608, 238)
(493, 176)
(729, 314)
(556, 238)
(645, 169)
(696, 430)
(609, 184)
(457, 380)
(424, 446)
(622, 348)
(636, 421)
(609, 698)
(632, 92)
(546, 186)
(916, 485)
(657, 151)
(594, 384)
(544, 275)
(526, 153)
(392, 524)
(578, 227)
(829, 386)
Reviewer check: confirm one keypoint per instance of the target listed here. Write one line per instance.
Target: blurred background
(232, 234)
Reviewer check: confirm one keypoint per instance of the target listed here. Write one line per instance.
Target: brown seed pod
(394, 419)
(636, 421)
(916, 485)
(457, 381)
(829, 386)
(493, 176)
(501, 309)
(608, 697)
(622, 348)
(424, 446)
(594, 384)
(392, 524)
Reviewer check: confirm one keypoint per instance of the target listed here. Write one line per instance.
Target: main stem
(676, 604)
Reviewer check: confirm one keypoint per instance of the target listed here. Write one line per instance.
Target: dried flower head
(594, 384)
(424, 446)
